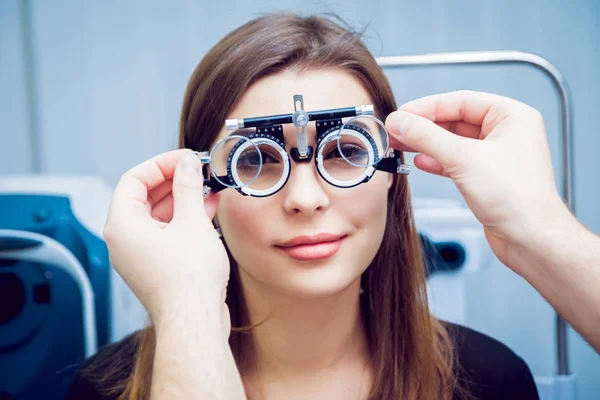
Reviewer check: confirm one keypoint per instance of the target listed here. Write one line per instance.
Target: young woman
(326, 288)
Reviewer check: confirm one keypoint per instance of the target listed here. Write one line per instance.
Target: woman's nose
(304, 193)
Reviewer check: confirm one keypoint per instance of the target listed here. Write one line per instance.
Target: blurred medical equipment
(562, 385)
(60, 297)
(453, 245)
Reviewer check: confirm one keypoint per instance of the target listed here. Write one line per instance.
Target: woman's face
(307, 207)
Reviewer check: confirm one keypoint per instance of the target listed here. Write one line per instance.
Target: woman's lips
(313, 251)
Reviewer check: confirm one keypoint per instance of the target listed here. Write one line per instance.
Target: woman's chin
(319, 285)
(321, 278)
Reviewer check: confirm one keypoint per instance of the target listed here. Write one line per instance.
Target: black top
(488, 369)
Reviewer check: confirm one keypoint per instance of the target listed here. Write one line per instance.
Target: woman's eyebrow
(361, 124)
(243, 132)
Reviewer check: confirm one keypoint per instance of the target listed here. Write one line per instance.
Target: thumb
(424, 136)
(188, 190)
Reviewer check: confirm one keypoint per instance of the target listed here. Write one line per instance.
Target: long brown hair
(411, 352)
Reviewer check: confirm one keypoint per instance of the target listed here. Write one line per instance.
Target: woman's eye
(350, 151)
(251, 158)
(268, 158)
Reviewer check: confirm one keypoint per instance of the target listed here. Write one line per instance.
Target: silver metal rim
(247, 142)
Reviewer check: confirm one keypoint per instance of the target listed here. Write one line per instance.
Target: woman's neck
(305, 338)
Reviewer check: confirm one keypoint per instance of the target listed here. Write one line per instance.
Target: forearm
(193, 359)
(562, 261)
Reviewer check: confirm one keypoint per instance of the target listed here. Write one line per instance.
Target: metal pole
(559, 82)
(31, 86)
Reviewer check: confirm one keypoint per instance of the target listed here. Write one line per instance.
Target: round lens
(274, 165)
(334, 164)
(235, 161)
(363, 141)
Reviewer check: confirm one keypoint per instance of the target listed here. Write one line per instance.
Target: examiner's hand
(160, 236)
(495, 150)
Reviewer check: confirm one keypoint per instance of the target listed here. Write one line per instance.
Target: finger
(159, 192)
(134, 186)
(475, 108)
(461, 128)
(428, 164)
(188, 191)
(211, 202)
(424, 136)
(158, 169)
(397, 145)
(163, 210)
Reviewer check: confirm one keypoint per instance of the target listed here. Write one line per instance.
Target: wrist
(193, 357)
(181, 308)
(545, 240)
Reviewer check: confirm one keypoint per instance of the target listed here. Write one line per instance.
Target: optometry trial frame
(351, 145)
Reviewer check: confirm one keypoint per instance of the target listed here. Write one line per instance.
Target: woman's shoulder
(489, 369)
(103, 375)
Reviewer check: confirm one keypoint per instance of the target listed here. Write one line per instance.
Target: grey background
(96, 87)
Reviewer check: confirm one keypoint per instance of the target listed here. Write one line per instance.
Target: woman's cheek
(368, 204)
(243, 218)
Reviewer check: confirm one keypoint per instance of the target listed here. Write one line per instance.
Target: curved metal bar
(559, 82)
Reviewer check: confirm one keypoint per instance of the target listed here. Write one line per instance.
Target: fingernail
(191, 164)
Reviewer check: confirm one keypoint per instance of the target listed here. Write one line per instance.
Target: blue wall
(96, 87)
